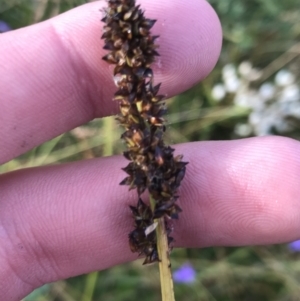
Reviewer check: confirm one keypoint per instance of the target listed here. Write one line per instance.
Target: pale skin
(65, 220)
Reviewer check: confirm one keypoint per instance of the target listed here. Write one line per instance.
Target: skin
(69, 219)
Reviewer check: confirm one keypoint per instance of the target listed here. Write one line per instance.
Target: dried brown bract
(153, 167)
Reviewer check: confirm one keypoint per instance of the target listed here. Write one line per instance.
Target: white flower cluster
(272, 104)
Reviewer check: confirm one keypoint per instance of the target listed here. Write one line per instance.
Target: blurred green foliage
(260, 31)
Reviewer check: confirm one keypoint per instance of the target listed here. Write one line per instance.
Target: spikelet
(152, 166)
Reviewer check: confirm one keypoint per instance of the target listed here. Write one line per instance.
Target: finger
(53, 78)
(72, 219)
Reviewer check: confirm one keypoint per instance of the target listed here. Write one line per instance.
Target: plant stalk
(166, 280)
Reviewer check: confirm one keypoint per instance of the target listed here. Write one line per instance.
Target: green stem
(90, 285)
(166, 280)
(108, 126)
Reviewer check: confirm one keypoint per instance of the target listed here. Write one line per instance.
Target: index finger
(53, 78)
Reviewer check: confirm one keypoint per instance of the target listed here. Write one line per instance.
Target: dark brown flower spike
(152, 166)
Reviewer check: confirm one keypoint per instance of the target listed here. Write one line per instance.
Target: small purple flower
(4, 26)
(294, 246)
(185, 274)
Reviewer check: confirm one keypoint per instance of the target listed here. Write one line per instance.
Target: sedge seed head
(131, 49)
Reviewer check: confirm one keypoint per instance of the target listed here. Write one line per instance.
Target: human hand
(65, 220)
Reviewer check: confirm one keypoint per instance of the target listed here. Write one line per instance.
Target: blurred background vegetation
(253, 91)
